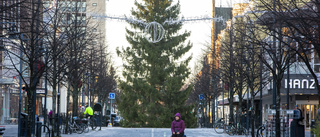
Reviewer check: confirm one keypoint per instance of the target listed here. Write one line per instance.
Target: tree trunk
(231, 108)
(278, 99)
(29, 110)
(54, 93)
(54, 98)
(240, 102)
(68, 97)
(253, 116)
(75, 101)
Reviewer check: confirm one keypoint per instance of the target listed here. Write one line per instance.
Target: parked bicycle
(260, 131)
(75, 127)
(238, 130)
(219, 126)
(86, 127)
(93, 122)
(230, 129)
(45, 130)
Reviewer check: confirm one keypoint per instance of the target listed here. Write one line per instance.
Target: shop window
(317, 68)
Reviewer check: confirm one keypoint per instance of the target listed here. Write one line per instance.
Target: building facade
(302, 86)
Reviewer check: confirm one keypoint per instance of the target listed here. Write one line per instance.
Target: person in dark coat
(177, 126)
(297, 125)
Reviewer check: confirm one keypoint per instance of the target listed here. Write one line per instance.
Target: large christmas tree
(155, 73)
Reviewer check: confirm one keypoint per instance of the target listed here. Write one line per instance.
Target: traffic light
(108, 112)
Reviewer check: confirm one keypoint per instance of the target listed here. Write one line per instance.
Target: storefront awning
(6, 81)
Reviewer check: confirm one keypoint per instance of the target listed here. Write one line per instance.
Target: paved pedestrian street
(11, 131)
(147, 132)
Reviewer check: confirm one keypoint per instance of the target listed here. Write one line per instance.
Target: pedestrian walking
(50, 117)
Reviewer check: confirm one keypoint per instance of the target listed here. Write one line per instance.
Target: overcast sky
(200, 30)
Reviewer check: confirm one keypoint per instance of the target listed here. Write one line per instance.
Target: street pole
(213, 105)
(288, 77)
(83, 88)
(223, 102)
(288, 90)
(275, 75)
(58, 117)
(217, 114)
(88, 75)
(45, 92)
(20, 89)
(35, 69)
(110, 111)
(247, 117)
(274, 65)
(260, 63)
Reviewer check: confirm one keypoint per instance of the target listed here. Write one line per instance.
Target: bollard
(38, 127)
(2, 130)
(313, 125)
(24, 124)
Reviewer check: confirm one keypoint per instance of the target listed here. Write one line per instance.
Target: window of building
(94, 4)
(84, 20)
(63, 29)
(305, 52)
(94, 43)
(84, 6)
(68, 4)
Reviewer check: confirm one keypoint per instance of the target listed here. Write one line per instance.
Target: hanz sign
(299, 83)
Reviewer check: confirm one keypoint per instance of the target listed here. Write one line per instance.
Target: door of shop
(309, 112)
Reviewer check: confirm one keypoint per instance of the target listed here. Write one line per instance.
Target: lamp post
(13, 35)
(20, 89)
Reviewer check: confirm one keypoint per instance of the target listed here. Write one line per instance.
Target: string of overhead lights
(154, 31)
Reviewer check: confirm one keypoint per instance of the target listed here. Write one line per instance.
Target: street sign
(201, 97)
(112, 95)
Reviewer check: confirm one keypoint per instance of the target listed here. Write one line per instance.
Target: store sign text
(300, 83)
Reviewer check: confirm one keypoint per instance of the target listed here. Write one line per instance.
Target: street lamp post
(13, 36)
(2, 48)
(20, 90)
(20, 82)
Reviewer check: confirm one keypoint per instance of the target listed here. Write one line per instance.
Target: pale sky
(200, 30)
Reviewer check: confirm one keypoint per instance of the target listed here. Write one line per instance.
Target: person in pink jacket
(177, 126)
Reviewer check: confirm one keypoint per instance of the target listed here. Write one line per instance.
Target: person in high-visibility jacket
(88, 110)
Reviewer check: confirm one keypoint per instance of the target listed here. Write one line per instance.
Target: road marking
(152, 132)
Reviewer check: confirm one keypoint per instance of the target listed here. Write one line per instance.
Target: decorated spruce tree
(154, 85)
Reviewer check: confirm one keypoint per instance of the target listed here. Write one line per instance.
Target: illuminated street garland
(154, 31)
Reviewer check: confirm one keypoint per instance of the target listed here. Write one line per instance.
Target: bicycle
(232, 130)
(261, 129)
(219, 126)
(74, 127)
(85, 124)
(92, 122)
(46, 130)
